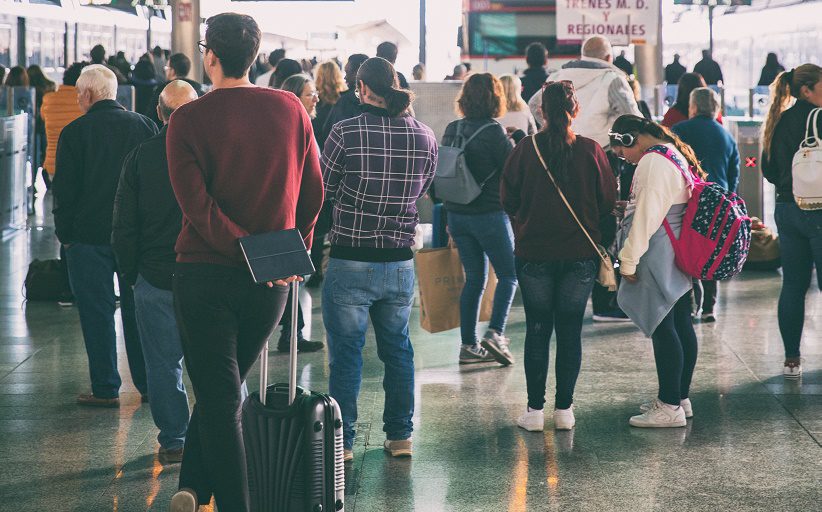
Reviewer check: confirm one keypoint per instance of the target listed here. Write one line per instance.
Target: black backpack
(47, 280)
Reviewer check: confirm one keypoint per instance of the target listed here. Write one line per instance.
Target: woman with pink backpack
(654, 292)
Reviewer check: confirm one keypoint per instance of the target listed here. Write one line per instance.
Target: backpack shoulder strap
(481, 128)
(812, 129)
(665, 151)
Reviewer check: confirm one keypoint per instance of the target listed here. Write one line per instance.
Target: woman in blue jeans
(481, 229)
(800, 230)
(556, 263)
(375, 166)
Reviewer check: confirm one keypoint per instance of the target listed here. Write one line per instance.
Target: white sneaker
(685, 403)
(660, 415)
(183, 500)
(498, 346)
(564, 418)
(792, 370)
(532, 421)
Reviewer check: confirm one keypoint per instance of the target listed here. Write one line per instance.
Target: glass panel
(5, 45)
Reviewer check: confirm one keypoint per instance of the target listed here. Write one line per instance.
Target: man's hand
(284, 282)
(633, 278)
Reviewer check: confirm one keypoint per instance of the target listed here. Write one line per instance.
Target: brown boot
(173, 456)
(90, 400)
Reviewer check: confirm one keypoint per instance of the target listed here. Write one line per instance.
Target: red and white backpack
(716, 230)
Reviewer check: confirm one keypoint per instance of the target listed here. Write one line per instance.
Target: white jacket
(603, 94)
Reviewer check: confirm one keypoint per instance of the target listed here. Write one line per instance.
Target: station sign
(622, 22)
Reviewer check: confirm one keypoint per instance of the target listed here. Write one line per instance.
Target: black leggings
(675, 351)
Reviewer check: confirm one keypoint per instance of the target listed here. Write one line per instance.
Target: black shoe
(303, 345)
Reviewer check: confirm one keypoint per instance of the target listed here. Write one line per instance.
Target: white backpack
(807, 167)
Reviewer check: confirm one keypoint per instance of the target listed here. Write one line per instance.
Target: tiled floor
(754, 443)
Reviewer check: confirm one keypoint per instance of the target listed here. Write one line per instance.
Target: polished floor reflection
(754, 443)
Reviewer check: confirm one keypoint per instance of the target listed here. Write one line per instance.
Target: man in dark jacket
(177, 69)
(674, 71)
(147, 221)
(709, 69)
(389, 51)
(718, 153)
(348, 105)
(90, 155)
(532, 79)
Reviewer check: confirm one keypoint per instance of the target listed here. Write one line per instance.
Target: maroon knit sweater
(544, 229)
(242, 161)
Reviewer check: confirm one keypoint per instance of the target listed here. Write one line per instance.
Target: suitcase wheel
(318, 426)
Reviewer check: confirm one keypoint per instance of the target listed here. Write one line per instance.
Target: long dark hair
(687, 83)
(787, 85)
(559, 107)
(636, 125)
(379, 75)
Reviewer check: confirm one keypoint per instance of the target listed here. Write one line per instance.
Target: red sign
(750, 161)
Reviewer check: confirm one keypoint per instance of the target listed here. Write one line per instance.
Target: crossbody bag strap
(812, 129)
(564, 200)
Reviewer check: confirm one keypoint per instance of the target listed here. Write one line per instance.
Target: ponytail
(397, 100)
(780, 98)
(559, 108)
(379, 75)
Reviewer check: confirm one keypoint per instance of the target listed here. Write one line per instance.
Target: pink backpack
(716, 230)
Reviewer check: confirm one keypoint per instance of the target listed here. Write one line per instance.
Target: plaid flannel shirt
(375, 167)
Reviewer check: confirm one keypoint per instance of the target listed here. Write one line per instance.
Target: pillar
(649, 65)
(185, 34)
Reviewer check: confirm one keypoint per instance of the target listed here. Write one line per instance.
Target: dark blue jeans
(352, 292)
(800, 241)
(91, 275)
(480, 237)
(163, 352)
(554, 295)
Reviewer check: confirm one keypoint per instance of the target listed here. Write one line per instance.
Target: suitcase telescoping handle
(292, 352)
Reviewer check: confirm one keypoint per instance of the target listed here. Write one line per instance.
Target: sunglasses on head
(625, 140)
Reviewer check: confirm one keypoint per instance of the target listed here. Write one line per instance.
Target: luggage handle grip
(292, 352)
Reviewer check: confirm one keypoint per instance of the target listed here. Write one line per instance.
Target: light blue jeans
(163, 352)
(353, 291)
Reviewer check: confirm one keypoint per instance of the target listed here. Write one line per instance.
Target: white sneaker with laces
(470, 354)
(792, 370)
(532, 421)
(497, 345)
(660, 415)
(564, 418)
(685, 403)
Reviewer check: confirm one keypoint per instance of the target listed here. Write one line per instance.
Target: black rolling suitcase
(294, 442)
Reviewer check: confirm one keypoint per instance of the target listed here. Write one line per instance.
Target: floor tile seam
(26, 359)
(770, 393)
(120, 471)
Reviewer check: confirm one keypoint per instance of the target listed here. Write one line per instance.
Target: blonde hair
(513, 93)
(99, 80)
(788, 85)
(329, 82)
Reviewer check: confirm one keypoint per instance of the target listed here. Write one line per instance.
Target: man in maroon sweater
(242, 160)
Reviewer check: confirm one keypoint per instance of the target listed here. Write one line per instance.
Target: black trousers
(705, 295)
(675, 351)
(225, 320)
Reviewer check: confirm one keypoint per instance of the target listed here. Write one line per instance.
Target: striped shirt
(375, 167)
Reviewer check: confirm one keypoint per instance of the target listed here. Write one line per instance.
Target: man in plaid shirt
(375, 167)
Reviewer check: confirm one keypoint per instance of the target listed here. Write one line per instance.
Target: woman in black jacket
(800, 230)
(481, 229)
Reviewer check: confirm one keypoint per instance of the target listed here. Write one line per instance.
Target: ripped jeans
(554, 295)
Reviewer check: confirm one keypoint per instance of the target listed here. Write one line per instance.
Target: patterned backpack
(716, 230)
